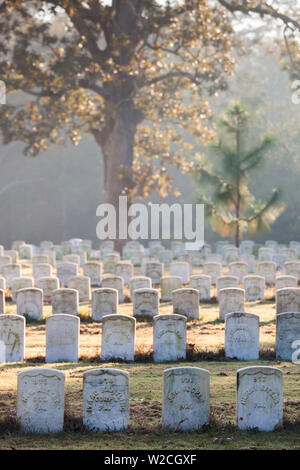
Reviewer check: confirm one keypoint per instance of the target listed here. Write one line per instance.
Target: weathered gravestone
(40, 259)
(118, 337)
(155, 271)
(10, 271)
(4, 260)
(65, 270)
(287, 300)
(48, 286)
(250, 260)
(259, 398)
(267, 269)
(231, 299)
(168, 284)
(287, 335)
(186, 302)
(213, 270)
(254, 287)
(201, 282)
(72, 258)
(242, 336)
(12, 338)
(231, 254)
(292, 268)
(169, 338)
(106, 399)
(62, 338)
(83, 285)
(41, 270)
(226, 281)
(110, 261)
(265, 254)
(20, 283)
(41, 400)
(93, 270)
(25, 251)
(104, 302)
(185, 405)
(14, 255)
(180, 269)
(30, 302)
(285, 281)
(238, 269)
(65, 301)
(145, 303)
(139, 282)
(46, 245)
(124, 269)
(115, 282)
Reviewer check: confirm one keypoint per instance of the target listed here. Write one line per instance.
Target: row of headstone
(185, 402)
(169, 337)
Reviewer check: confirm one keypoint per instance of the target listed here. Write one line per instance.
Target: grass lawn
(205, 339)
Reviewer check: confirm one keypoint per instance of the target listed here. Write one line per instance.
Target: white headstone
(124, 269)
(287, 332)
(20, 283)
(226, 281)
(213, 270)
(48, 286)
(267, 269)
(180, 269)
(10, 271)
(62, 338)
(106, 399)
(83, 285)
(40, 406)
(110, 261)
(65, 301)
(65, 270)
(242, 336)
(169, 338)
(292, 268)
(201, 282)
(40, 259)
(155, 271)
(139, 282)
(185, 405)
(145, 303)
(254, 287)
(186, 302)
(12, 338)
(41, 270)
(93, 270)
(25, 251)
(30, 302)
(285, 281)
(115, 282)
(259, 398)
(238, 269)
(287, 300)
(168, 284)
(104, 302)
(118, 337)
(5, 260)
(231, 299)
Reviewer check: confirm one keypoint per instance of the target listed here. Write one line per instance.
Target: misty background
(54, 196)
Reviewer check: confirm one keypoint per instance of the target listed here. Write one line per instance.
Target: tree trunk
(117, 142)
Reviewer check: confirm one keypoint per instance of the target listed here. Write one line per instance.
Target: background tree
(113, 67)
(231, 207)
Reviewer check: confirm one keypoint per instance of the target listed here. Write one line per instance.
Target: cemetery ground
(205, 349)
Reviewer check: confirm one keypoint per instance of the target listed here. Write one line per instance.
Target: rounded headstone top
(169, 316)
(105, 370)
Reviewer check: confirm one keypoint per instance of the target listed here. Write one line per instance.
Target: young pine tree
(230, 206)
